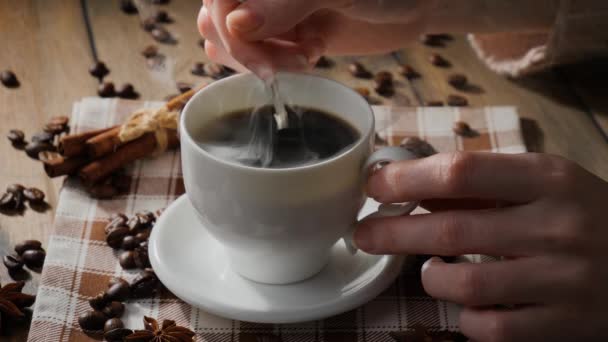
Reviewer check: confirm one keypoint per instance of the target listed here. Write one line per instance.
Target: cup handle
(383, 155)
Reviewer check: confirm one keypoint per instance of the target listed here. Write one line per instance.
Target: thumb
(255, 20)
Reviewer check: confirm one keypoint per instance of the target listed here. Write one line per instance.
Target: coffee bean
(116, 235)
(34, 258)
(158, 213)
(117, 335)
(114, 309)
(9, 79)
(135, 224)
(43, 137)
(35, 147)
(457, 81)
(16, 136)
(28, 245)
(13, 262)
(461, 128)
(418, 147)
(127, 259)
(434, 103)
(118, 222)
(99, 302)
(7, 200)
(92, 320)
(99, 70)
(106, 89)
(15, 188)
(127, 92)
(358, 70)
(149, 24)
(457, 101)
(324, 63)
(431, 40)
(59, 120)
(198, 69)
(183, 87)
(34, 195)
(162, 17)
(145, 284)
(118, 218)
(141, 258)
(143, 244)
(117, 280)
(142, 236)
(19, 203)
(111, 324)
(438, 60)
(161, 35)
(128, 6)
(408, 72)
(118, 292)
(201, 42)
(150, 51)
(362, 91)
(146, 217)
(54, 128)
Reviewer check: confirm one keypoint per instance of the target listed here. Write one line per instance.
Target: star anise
(12, 302)
(167, 332)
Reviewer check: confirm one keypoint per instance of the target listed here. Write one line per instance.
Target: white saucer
(191, 264)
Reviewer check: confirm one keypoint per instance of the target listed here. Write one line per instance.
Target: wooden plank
(45, 47)
(548, 106)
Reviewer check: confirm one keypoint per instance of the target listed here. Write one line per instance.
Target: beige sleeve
(580, 32)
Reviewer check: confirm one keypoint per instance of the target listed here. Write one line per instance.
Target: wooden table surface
(46, 45)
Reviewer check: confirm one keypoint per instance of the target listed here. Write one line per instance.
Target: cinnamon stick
(180, 100)
(141, 147)
(103, 143)
(73, 144)
(62, 166)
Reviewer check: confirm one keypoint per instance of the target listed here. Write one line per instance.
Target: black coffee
(251, 137)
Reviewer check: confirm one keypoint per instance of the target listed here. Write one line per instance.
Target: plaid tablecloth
(79, 263)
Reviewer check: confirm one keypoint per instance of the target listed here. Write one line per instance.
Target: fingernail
(428, 263)
(244, 20)
(362, 237)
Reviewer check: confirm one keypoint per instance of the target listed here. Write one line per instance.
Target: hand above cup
(545, 214)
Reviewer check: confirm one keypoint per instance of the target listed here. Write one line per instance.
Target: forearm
(491, 16)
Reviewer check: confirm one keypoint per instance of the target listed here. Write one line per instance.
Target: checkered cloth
(79, 263)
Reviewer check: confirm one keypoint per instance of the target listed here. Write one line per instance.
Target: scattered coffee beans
(198, 69)
(34, 195)
(106, 89)
(127, 91)
(150, 51)
(324, 63)
(9, 79)
(216, 71)
(408, 72)
(114, 309)
(13, 262)
(92, 320)
(16, 137)
(7, 201)
(358, 70)
(15, 188)
(462, 129)
(183, 86)
(434, 103)
(457, 81)
(33, 148)
(117, 335)
(43, 137)
(384, 83)
(162, 17)
(27, 245)
(34, 258)
(145, 284)
(457, 101)
(439, 61)
(99, 70)
(127, 259)
(118, 292)
(115, 237)
(113, 323)
(99, 302)
(129, 243)
(431, 40)
(128, 7)
(149, 24)
(161, 35)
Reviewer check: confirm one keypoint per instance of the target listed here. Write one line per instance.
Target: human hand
(544, 214)
(265, 36)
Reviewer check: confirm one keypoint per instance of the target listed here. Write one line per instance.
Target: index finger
(483, 175)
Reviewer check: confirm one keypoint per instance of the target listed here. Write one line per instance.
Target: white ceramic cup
(278, 225)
